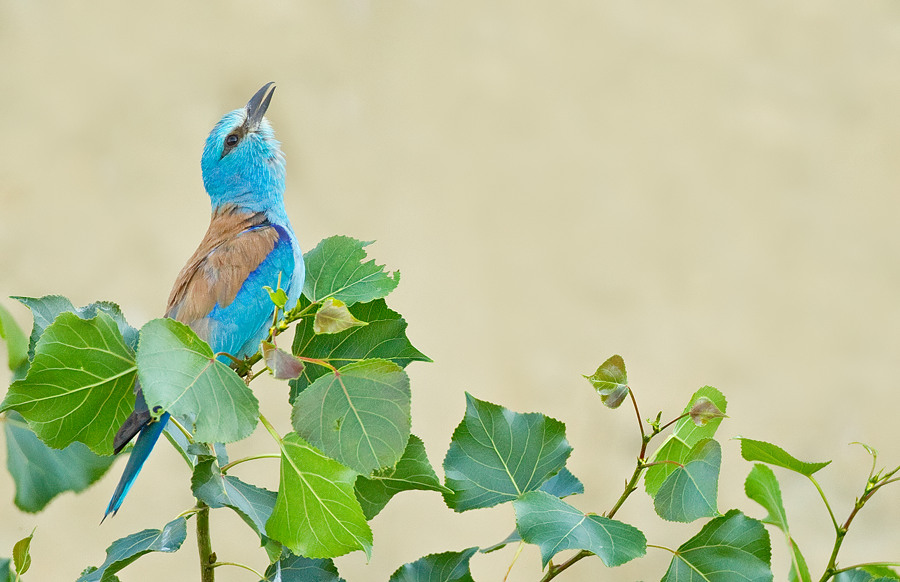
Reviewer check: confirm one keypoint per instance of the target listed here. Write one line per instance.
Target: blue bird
(249, 244)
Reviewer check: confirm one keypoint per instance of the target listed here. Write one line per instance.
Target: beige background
(707, 188)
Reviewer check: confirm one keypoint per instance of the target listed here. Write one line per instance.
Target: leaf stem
(661, 548)
(184, 431)
(188, 513)
(271, 429)
(513, 562)
(225, 468)
(637, 413)
(204, 544)
(673, 421)
(239, 565)
(825, 500)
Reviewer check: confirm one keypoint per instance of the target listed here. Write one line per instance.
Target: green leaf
(41, 473)
(334, 317)
(864, 575)
(22, 554)
(359, 416)
(753, 450)
(496, 455)
(335, 268)
(16, 342)
(278, 296)
(412, 472)
(880, 572)
(316, 512)
(867, 574)
(730, 548)
(293, 568)
(45, 310)
(443, 567)
(554, 525)
(78, 387)
(690, 492)
(563, 484)
(762, 486)
(128, 549)
(6, 574)
(686, 434)
(283, 365)
(253, 504)
(384, 337)
(180, 374)
(610, 381)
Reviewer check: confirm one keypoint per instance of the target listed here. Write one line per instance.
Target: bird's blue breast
(239, 327)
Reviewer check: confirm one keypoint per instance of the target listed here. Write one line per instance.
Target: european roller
(250, 244)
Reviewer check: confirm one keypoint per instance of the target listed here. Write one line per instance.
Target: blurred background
(709, 189)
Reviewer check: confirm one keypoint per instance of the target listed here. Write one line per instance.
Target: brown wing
(234, 246)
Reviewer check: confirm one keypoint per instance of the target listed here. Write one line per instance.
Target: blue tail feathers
(146, 439)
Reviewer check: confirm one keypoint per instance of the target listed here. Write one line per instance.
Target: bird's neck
(272, 208)
(251, 200)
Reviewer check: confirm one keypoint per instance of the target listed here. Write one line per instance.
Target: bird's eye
(232, 140)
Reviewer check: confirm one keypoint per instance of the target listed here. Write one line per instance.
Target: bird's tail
(141, 423)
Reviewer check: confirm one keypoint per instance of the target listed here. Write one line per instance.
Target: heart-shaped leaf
(384, 337)
(334, 317)
(291, 568)
(359, 415)
(690, 491)
(496, 455)
(412, 472)
(443, 567)
(128, 549)
(676, 447)
(336, 268)
(554, 526)
(283, 365)
(253, 504)
(729, 548)
(316, 512)
(180, 374)
(610, 381)
(41, 473)
(78, 387)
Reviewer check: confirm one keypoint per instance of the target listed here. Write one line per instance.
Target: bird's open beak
(258, 104)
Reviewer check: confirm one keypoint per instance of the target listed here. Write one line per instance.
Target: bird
(250, 244)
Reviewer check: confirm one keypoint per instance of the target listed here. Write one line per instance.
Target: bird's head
(242, 161)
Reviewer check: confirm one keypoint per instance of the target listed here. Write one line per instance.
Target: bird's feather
(219, 292)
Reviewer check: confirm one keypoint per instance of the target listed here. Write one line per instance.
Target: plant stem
(204, 544)
(245, 459)
(553, 571)
(841, 530)
(630, 487)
